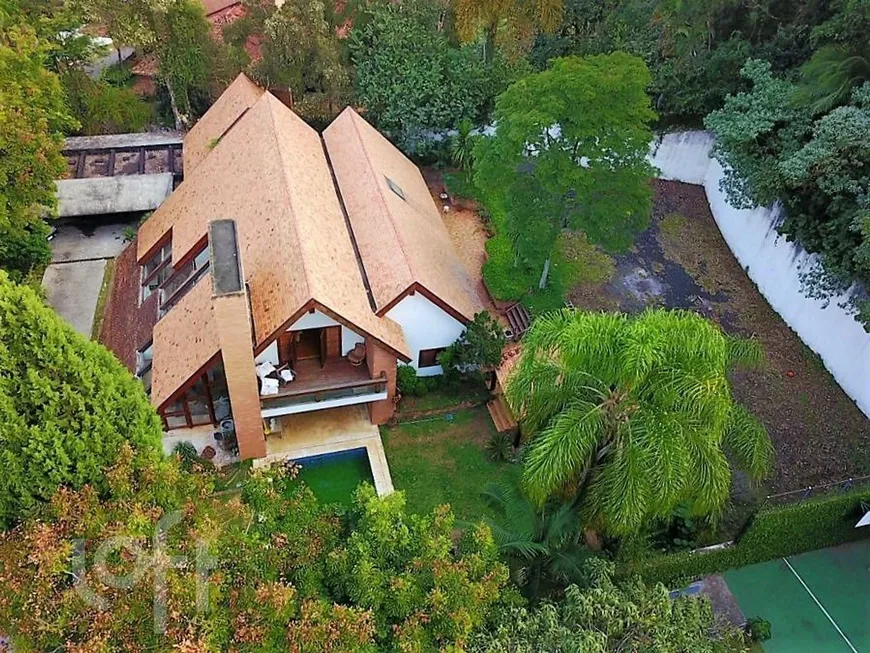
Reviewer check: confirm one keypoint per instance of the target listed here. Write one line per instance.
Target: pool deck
(330, 431)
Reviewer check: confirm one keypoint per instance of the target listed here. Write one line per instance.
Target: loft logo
(127, 553)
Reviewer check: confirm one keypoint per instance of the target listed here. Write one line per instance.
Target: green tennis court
(817, 602)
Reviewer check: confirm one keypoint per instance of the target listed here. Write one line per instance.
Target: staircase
(519, 320)
(501, 414)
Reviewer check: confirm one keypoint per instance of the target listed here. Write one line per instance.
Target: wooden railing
(340, 390)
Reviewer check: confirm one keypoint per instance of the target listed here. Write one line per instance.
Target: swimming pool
(333, 477)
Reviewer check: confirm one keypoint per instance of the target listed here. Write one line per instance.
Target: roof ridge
(354, 116)
(285, 182)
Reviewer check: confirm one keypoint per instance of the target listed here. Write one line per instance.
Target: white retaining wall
(774, 264)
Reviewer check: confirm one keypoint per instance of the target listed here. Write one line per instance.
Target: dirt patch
(682, 261)
(467, 232)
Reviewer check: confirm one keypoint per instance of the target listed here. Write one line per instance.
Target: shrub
(774, 532)
(759, 629)
(66, 405)
(187, 455)
(499, 447)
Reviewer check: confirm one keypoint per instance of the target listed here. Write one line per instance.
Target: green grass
(439, 461)
(444, 398)
(108, 277)
(334, 480)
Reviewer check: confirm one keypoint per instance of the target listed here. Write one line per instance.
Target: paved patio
(329, 431)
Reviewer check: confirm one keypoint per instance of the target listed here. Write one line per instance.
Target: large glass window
(156, 269)
(206, 401)
(143, 365)
(183, 279)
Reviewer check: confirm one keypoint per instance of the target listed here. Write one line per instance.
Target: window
(206, 401)
(393, 186)
(156, 270)
(429, 357)
(143, 365)
(183, 279)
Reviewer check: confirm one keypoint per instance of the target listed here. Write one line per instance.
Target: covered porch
(318, 386)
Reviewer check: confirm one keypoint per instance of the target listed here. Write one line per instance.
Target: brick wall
(234, 329)
(379, 360)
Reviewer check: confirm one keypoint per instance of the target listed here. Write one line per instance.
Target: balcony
(336, 383)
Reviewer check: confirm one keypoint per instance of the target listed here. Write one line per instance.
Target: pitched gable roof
(239, 96)
(402, 241)
(270, 174)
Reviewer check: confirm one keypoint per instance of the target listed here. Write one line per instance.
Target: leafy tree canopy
(410, 79)
(633, 415)
(33, 117)
(288, 574)
(569, 151)
(302, 53)
(608, 616)
(479, 346)
(66, 405)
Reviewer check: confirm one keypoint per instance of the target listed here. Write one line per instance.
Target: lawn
(442, 460)
(444, 398)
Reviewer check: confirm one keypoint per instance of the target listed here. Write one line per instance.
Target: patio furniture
(265, 369)
(357, 355)
(269, 387)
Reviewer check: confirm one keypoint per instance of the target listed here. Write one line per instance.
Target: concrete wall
(775, 265)
(426, 326)
(104, 195)
(313, 320)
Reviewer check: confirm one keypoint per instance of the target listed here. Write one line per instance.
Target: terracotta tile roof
(270, 174)
(185, 340)
(239, 96)
(402, 242)
(214, 6)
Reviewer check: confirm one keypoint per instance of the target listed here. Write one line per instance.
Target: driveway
(80, 251)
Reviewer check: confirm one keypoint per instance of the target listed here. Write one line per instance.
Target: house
(290, 272)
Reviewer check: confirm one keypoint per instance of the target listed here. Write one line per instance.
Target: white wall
(774, 264)
(426, 326)
(315, 320)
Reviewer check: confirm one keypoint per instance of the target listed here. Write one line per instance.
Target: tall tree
(411, 80)
(633, 415)
(33, 117)
(303, 54)
(509, 24)
(66, 405)
(569, 151)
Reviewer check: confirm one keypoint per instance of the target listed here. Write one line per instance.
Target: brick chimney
(233, 321)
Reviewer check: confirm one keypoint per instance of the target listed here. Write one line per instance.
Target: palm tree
(540, 543)
(828, 78)
(632, 416)
(512, 16)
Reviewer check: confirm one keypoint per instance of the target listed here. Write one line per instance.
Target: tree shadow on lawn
(683, 262)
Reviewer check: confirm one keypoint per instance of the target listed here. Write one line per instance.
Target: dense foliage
(286, 573)
(478, 348)
(301, 52)
(32, 118)
(608, 616)
(634, 415)
(541, 543)
(66, 405)
(568, 152)
(817, 167)
(775, 531)
(410, 80)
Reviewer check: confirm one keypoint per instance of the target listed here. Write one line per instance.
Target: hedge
(774, 532)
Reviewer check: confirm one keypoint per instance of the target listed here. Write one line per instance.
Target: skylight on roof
(395, 188)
